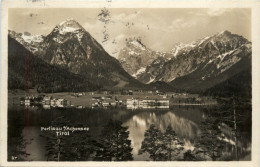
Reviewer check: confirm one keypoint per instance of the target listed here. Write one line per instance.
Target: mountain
(156, 70)
(30, 42)
(181, 48)
(25, 70)
(203, 63)
(162, 86)
(200, 66)
(152, 70)
(228, 54)
(135, 56)
(239, 85)
(70, 47)
(209, 75)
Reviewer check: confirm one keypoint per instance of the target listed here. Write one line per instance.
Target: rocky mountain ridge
(135, 56)
(214, 50)
(30, 42)
(70, 47)
(196, 67)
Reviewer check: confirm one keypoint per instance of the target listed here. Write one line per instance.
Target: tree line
(113, 143)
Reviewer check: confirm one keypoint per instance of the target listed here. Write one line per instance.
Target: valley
(197, 67)
(145, 84)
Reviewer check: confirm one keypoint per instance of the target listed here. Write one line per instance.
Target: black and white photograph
(129, 84)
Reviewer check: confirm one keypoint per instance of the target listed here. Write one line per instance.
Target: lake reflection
(183, 120)
(186, 129)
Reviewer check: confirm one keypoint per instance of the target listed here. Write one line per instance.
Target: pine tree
(113, 144)
(76, 147)
(210, 143)
(231, 116)
(153, 144)
(173, 146)
(82, 145)
(16, 142)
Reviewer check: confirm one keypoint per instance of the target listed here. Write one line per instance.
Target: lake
(27, 142)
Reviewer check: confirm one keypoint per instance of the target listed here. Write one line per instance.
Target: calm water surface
(26, 122)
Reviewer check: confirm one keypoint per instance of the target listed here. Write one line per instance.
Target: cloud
(177, 21)
(180, 24)
(209, 12)
(125, 17)
(197, 13)
(216, 11)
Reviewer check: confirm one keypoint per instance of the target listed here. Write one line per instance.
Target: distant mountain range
(71, 48)
(210, 51)
(201, 66)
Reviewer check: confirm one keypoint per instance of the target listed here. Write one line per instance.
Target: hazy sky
(159, 28)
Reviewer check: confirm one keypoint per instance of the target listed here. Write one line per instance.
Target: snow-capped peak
(32, 38)
(182, 47)
(69, 25)
(66, 21)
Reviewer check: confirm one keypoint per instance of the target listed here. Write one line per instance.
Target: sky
(159, 28)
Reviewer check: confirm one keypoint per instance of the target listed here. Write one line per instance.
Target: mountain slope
(135, 57)
(28, 71)
(217, 70)
(30, 42)
(197, 82)
(152, 70)
(239, 85)
(72, 48)
(191, 57)
(162, 86)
